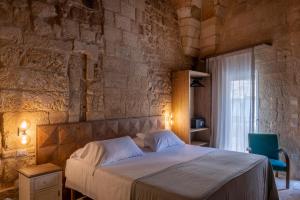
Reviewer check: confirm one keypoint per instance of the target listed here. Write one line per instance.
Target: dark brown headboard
(56, 142)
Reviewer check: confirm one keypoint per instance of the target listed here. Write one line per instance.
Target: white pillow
(119, 149)
(106, 152)
(141, 135)
(139, 142)
(91, 153)
(161, 140)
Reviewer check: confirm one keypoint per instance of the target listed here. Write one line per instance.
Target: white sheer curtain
(233, 99)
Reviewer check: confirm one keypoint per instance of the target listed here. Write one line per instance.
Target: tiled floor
(291, 194)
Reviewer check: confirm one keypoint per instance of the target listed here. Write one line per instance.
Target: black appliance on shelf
(198, 122)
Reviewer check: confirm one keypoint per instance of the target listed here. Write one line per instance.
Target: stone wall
(75, 60)
(251, 22)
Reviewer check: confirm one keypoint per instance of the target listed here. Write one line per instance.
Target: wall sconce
(168, 120)
(24, 126)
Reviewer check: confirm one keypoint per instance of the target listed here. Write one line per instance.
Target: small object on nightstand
(40, 182)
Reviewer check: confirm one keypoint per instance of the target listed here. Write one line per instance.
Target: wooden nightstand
(41, 182)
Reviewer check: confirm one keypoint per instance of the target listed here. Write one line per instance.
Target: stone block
(114, 80)
(20, 4)
(87, 35)
(112, 34)
(110, 48)
(34, 80)
(12, 100)
(190, 42)
(189, 22)
(134, 102)
(197, 3)
(74, 106)
(141, 5)
(6, 13)
(44, 60)
(91, 50)
(43, 10)
(77, 63)
(127, 10)
(140, 69)
(95, 103)
(295, 38)
(31, 40)
(109, 18)
(184, 12)
(114, 103)
(21, 18)
(58, 117)
(41, 27)
(70, 29)
(90, 69)
(123, 22)
(9, 173)
(137, 55)
(130, 39)
(210, 22)
(92, 116)
(112, 5)
(10, 55)
(11, 33)
(117, 65)
(209, 41)
(140, 16)
(189, 31)
(95, 87)
(190, 51)
(207, 31)
(137, 83)
(84, 15)
(123, 52)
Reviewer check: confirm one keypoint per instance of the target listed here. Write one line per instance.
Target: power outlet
(21, 152)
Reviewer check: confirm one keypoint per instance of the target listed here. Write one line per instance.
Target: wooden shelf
(196, 74)
(190, 101)
(199, 143)
(198, 129)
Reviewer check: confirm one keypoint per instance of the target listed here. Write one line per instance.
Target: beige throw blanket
(218, 175)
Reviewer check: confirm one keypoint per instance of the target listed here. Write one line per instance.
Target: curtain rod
(268, 43)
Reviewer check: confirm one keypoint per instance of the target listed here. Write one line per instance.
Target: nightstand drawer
(49, 194)
(46, 181)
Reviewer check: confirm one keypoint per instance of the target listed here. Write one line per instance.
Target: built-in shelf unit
(191, 102)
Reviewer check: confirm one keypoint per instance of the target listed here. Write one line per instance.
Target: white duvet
(113, 182)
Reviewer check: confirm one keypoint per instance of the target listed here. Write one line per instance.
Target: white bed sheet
(114, 181)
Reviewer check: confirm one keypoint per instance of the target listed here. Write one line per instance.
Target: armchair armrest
(286, 156)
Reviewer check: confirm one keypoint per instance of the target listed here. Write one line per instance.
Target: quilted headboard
(56, 142)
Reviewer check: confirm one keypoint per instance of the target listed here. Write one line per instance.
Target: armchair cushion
(278, 165)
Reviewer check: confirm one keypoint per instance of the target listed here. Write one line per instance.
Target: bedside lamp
(24, 126)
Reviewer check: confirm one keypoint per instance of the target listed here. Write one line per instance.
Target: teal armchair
(267, 144)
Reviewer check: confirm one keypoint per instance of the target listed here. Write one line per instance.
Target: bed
(179, 173)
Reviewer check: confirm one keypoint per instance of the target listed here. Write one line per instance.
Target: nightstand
(41, 182)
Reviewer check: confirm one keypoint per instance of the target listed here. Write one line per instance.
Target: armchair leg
(287, 178)
(276, 174)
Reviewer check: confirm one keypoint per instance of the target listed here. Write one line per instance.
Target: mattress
(118, 181)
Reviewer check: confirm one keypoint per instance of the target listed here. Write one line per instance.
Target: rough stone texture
(189, 15)
(140, 53)
(250, 22)
(38, 80)
(61, 61)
